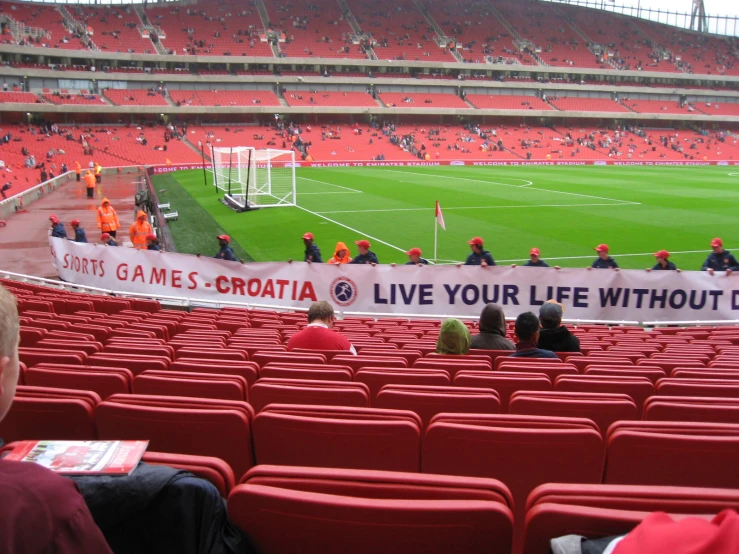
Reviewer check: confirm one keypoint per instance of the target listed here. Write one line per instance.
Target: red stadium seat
(263, 358)
(452, 366)
(653, 374)
(728, 388)
(338, 436)
(247, 370)
(311, 392)
(505, 383)
(358, 362)
(692, 408)
(377, 377)
(551, 370)
(134, 362)
(215, 470)
(186, 383)
(367, 512)
(320, 373)
(637, 388)
(102, 380)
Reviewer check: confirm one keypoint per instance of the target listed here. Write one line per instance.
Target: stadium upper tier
(510, 34)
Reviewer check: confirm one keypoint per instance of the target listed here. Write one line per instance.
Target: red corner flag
(440, 216)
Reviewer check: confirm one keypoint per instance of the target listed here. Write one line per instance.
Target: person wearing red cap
(365, 256)
(57, 227)
(312, 252)
(535, 261)
(225, 253)
(662, 262)
(414, 257)
(604, 261)
(79, 232)
(720, 259)
(478, 256)
(152, 242)
(106, 239)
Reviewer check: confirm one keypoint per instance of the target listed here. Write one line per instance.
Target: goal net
(254, 178)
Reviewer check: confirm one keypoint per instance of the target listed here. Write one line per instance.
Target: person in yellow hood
(140, 229)
(108, 218)
(341, 255)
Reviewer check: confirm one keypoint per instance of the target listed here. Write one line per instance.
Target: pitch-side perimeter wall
(600, 295)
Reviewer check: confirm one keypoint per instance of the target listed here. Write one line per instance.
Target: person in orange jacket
(341, 255)
(140, 229)
(78, 170)
(90, 184)
(108, 218)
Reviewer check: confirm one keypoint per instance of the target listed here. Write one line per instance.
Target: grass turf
(564, 211)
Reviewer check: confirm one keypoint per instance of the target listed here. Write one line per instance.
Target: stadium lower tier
(637, 408)
(114, 146)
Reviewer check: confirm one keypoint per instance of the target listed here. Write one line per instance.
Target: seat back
(263, 358)
(692, 408)
(602, 408)
(205, 427)
(134, 362)
(377, 377)
(551, 370)
(725, 388)
(427, 401)
(102, 380)
(320, 373)
(666, 453)
(505, 383)
(303, 391)
(247, 370)
(636, 388)
(185, 383)
(357, 362)
(338, 436)
(215, 470)
(452, 366)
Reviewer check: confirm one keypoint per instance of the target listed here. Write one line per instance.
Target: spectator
(527, 333)
(604, 261)
(535, 261)
(554, 336)
(414, 257)
(90, 184)
(152, 242)
(341, 254)
(662, 262)
(720, 259)
(312, 252)
(454, 338)
(79, 232)
(107, 218)
(57, 228)
(478, 256)
(318, 334)
(139, 230)
(226, 252)
(365, 256)
(4, 190)
(492, 334)
(106, 239)
(47, 513)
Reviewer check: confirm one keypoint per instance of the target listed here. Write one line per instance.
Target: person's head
(527, 327)
(363, 246)
(141, 216)
(54, 219)
(341, 250)
(321, 312)
(717, 245)
(223, 240)
(662, 256)
(454, 338)
(602, 250)
(550, 314)
(414, 255)
(9, 340)
(75, 223)
(105, 237)
(308, 239)
(475, 244)
(534, 254)
(151, 238)
(106, 203)
(492, 320)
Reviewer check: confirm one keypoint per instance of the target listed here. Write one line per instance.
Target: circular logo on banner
(343, 291)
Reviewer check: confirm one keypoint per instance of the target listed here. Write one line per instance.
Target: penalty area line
(360, 233)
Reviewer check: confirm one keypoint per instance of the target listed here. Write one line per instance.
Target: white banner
(598, 294)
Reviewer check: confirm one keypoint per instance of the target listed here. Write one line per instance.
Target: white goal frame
(255, 178)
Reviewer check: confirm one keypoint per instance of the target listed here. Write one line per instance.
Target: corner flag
(440, 216)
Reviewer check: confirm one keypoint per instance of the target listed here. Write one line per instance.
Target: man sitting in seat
(527, 333)
(318, 335)
(47, 513)
(554, 336)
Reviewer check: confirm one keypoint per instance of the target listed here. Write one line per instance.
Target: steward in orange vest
(108, 218)
(77, 169)
(90, 183)
(140, 229)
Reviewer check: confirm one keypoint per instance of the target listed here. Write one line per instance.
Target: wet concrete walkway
(24, 242)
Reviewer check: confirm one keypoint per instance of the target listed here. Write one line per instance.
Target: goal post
(254, 178)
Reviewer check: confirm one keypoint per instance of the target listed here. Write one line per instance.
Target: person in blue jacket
(108, 240)
(478, 256)
(79, 232)
(663, 264)
(225, 253)
(535, 261)
(365, 256)
(720, 259)
(603, 261)
(152, 243)
(414, 257)
(57, 227)
(312, 252)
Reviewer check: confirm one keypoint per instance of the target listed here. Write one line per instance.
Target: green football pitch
(564, 211)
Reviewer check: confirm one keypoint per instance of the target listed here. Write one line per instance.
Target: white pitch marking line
(360, 233)
(514, 186)
(335, 192)
(330, 184)
(471, 208)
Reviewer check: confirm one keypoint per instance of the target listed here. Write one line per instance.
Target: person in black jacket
(365, 256)
(720, 259)
(527, 332)
(603, 261)
(312, 252)
(553, 335)
(57, 227)
(492, 335)
(414, 257)
(663, 264)
(478, 256)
